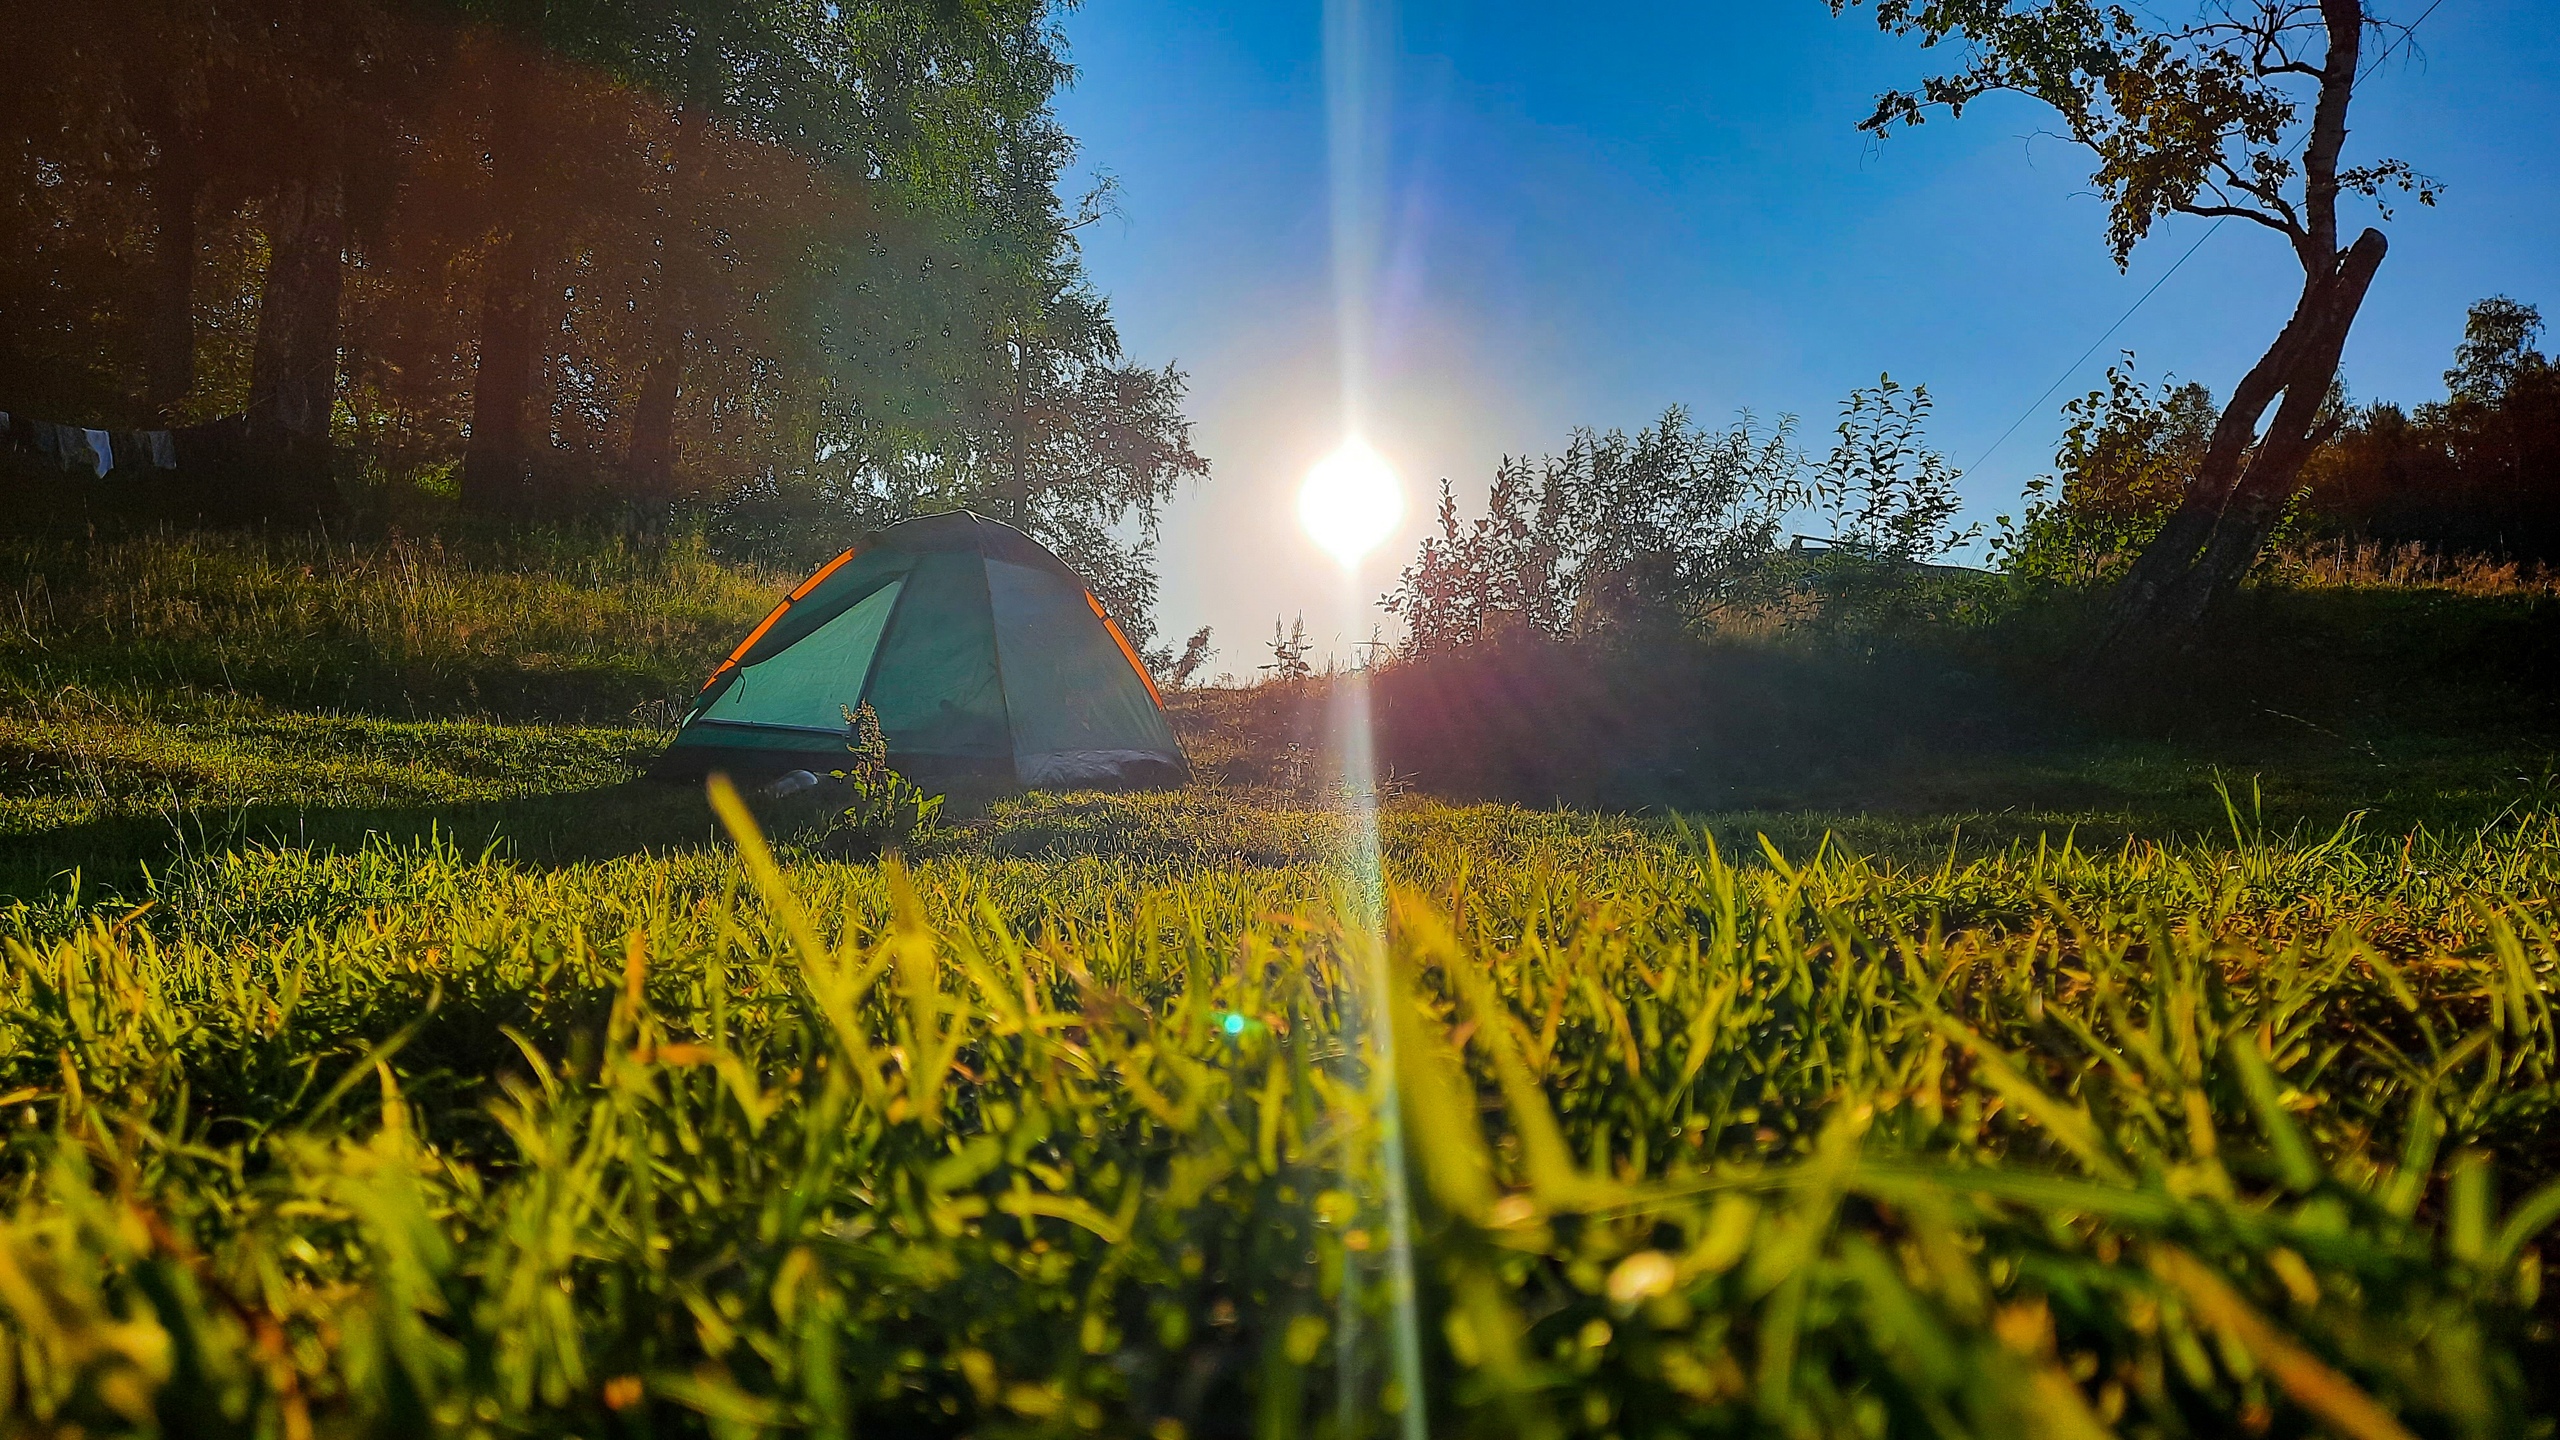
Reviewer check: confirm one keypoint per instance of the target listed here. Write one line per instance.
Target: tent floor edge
(1079, 770)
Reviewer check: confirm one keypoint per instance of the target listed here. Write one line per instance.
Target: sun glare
(1352, 500)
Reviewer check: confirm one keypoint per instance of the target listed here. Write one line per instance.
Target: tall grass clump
(543, 624)
(2250, 1138)
(2343, 563)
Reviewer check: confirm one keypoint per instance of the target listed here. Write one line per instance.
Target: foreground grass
(1075, 1127)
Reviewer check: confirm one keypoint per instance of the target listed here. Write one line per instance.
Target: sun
(1352, 500)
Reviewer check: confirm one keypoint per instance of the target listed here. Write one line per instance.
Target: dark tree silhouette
(2477, 472)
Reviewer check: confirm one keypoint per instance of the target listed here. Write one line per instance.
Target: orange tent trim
(794, 598)
(1126, 651)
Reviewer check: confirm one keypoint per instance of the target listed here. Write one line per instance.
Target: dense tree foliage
(2477, 472)
(802, 264)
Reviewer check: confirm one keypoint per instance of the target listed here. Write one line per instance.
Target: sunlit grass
(558, 626)
(2041, 1139)
(72, 768)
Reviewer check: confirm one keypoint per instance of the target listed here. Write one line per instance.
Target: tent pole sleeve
(1127, 651)
(798, 594)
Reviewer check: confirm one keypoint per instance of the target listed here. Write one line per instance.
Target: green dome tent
(985, 657)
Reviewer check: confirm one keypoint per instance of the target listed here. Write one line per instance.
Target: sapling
(885, 808)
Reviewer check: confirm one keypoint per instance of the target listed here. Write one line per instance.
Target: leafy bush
(1289, 651)
(1890, 504)
(1671, 523)
(1884, 493)
(1677, 527)
(2126, 451)
(1178, 671)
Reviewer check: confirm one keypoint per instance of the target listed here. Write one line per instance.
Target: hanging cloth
(102, 450)
(160, 447)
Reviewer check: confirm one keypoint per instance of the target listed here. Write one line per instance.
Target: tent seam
(995, 652)
(880, 647)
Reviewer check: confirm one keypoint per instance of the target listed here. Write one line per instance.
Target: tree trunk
(293, 366)
(652, 456)
(2267, 487)
(283, 467)
(2239, 492)
(1019, 501)
(651, 459)
(494, 463)
(548, 479)
(573, 429)
(169, 338)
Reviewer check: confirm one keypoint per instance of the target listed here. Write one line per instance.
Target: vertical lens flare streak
(1355, 146)
(1364, 914)
(1350, 504)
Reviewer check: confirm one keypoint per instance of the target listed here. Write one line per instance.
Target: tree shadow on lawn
(555, 830)
(1910, 807)
(2409, 708)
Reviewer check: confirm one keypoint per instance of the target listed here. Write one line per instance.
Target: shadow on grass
(551, 830)
(2408, 707)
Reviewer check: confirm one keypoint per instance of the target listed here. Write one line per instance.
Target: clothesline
(76, 447)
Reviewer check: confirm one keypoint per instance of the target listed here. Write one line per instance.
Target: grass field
(389, 1071)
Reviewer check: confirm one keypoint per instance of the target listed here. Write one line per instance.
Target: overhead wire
(2074, 367)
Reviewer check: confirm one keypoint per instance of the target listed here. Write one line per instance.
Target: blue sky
(1589, 213)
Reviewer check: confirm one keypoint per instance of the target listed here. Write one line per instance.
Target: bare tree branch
(2240, 212)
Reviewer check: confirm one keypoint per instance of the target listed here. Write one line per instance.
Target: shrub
(2127, 449)
(1676, 527)
(1890, 503)
(1673, 522)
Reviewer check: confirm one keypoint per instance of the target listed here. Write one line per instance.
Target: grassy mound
(162, 693)
(2347, 689)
